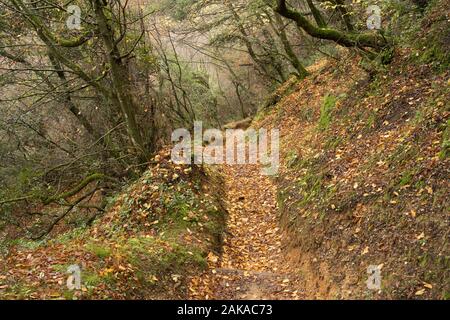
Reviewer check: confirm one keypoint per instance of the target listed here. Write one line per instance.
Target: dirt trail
(252, 265)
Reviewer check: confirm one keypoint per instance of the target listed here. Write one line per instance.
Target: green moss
(90, 279)
(433, 48)
(155, 257)
(215, 224)
(406, 178)
(25, 243)
(403, 153)
(420, 184)
(311, 187)
(333, 142)
(60, 267)
(371, 119)
(19, 291)
(291, 158)
(80, 186)
(101, 251)
(326, 109)
(435, 55)
(68, 294)
(445, 146)
(76, 233)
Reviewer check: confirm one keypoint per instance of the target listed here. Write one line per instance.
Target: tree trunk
(121, 81)
(343, 38)
(302, 72)
(316, 14)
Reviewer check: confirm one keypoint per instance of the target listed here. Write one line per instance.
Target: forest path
(252, 264)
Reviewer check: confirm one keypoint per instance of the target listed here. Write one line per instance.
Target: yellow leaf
(365, 251)
(427, 285)
(420, 292)
(421, 236)
(212, 257)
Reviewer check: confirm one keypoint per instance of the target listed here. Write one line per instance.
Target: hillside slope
(155, 234)
(365, 176)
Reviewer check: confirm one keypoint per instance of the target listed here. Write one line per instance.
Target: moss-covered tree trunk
(302, 72)
(121, 80)
(372, 40)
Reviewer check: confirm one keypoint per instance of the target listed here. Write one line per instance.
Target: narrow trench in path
(252, 265)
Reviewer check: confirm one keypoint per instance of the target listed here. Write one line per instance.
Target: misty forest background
(92, 104)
